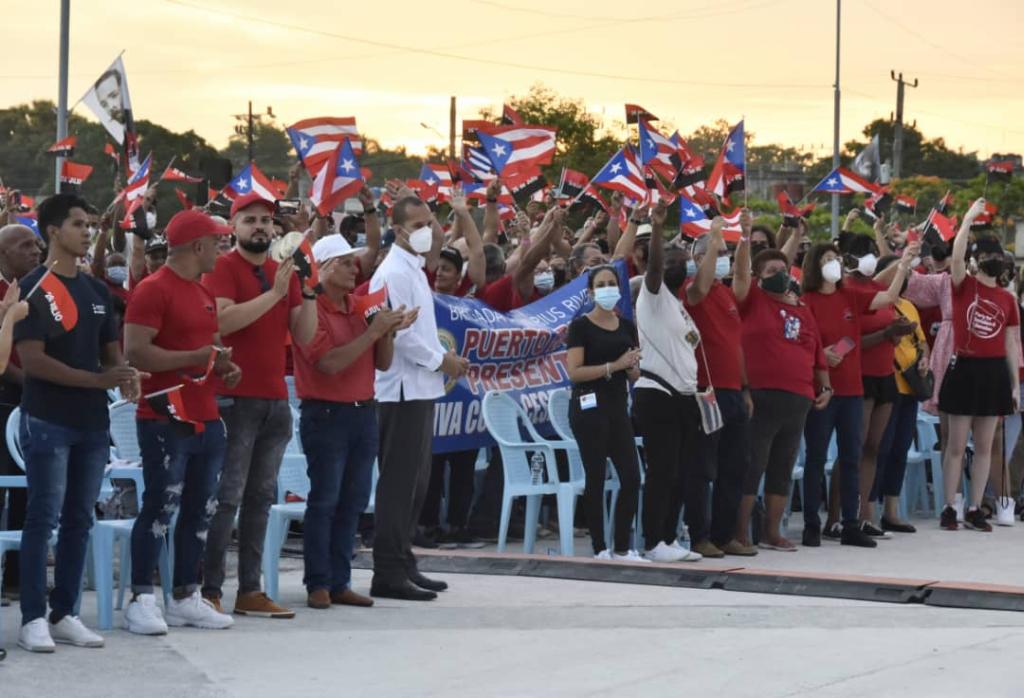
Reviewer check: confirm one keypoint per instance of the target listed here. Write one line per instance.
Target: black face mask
(675, 276)
(254, 246)
(776, 283)
(756, 247)
(993, 267)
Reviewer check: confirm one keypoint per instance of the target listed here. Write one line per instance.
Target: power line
(707, 12)
(478, 60)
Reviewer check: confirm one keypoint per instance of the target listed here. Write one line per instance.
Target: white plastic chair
(503, 418)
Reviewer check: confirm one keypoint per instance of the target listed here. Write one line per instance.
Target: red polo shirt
(184, 315)
(258, 348)
(718, 320)
(503, 295)
(336, 326)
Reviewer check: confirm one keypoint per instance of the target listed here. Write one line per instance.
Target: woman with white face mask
(880, 330)
(839, 309)
(603, 359)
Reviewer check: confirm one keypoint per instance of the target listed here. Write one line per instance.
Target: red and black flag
(306, 267)
(525, 183)
(510, 117)
(73, 175)
(170, 404)
(999, 170)
(905, 204)
(944, 203)
(371, 303)
(58, 313)
(207, 371)
(63, 148)
(471, 126)
(791, 213)
(186, 203)
(943, 225)
(879, 203)
(985, 218)
(634, 112)
(588, 200)
(707, 202)
(572, 183)
(689, 174)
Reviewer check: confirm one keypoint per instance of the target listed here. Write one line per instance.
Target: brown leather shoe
(350, 598)
(215, 602)
(319, 599)
(707, 549)
(256, 603)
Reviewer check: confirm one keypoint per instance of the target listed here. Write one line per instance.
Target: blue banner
(521, 352)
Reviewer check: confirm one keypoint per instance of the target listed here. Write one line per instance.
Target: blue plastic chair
(558, 413)
(504, 418)
(923, 457)
(292, 478)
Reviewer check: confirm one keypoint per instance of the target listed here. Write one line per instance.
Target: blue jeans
(340, 443)
(179, 472)
(892, 452)
(845, 416)
(64, 468)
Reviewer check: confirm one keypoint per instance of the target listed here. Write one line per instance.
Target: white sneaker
(34, 636)
(630, 556)
(665, 553)
(70, 631)
(143, 616)
(958, 504)
(1004, 511)
(198, 613)
(604, 555)
(690, 555)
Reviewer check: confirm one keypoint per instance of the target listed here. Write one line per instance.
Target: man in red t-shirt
(517, 288)
(259, 302)
(171, 332)
(724, 456)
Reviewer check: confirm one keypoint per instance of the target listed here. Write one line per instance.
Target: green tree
(272, 150)
(921, 156)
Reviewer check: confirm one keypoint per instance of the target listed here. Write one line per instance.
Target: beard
(255, 246)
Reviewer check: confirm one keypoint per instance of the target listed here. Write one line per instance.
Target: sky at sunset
(394, 64)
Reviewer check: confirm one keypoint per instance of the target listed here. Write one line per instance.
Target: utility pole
(62, 91)
(897, 143)
(246, 125)
(835, 126)
(451, 131)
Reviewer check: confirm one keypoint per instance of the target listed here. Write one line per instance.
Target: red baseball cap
(190, 225)
(244, 202)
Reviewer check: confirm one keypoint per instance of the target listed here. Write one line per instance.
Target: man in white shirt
(664, 400)
(406, 393)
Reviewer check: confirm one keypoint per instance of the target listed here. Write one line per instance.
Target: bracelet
(825, 389)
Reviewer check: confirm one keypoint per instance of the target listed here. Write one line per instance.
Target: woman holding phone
(838, 309)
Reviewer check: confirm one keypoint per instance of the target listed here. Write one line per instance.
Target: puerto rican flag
(842, 181)
(693, 222)
(657, 151)
(251, 178)
(729, 173)
(439, 176)
(623, 173)
(517, 148)
(139, 181)
(339, 179)
(314, 139)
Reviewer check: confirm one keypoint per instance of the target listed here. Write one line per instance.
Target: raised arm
(889, 296)
(884, 248)
(958, 261)
(741, 274)
(538, 250)
(476, 266)
(368, 258)
(701, 286)
(656, 253)
(491, 211)
(792, 245)
(615, 210)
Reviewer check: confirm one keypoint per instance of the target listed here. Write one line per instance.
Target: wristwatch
(311, 296)
(825, 389)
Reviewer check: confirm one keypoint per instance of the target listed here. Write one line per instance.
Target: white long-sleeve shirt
(414, 373)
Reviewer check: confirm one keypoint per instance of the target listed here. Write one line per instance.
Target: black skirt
(881, 389)
(977, 387)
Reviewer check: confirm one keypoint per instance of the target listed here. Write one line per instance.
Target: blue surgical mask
(544, 280)
(360, 240)
(691, 268)
(607, 296)
(117, 275)
(722, 267)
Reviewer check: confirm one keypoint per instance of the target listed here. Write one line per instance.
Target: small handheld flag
(64, 148)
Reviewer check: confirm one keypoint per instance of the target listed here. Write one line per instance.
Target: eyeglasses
(262, 278)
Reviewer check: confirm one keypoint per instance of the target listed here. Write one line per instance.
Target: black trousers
(604, 432)
(462, 467)
(17, 501)
(406, 429)
(671, 429)
(722, 459)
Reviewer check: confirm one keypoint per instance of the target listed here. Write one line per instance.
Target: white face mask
(915, 262)
(722, 267)
(544, 280)
(832, 271)
(150, 219)
(421, 239)
(866, 264)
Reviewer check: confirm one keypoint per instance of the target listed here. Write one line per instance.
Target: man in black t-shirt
(70, 356)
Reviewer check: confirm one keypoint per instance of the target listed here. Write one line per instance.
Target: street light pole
(62, 89)
(835, 127)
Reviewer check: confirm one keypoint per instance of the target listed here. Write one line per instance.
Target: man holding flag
(70, 357)
(258, 303)
(171, 330)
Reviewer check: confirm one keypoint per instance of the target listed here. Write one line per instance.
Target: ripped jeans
(180, 475)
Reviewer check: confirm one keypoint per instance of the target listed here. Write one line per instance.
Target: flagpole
(121, 403)
(42, 278)
(835, 126)
(62, 87)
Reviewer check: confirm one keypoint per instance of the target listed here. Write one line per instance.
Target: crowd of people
(733, 355)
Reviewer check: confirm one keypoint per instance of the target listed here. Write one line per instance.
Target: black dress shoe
(427, 583)
(812, 537)
(406, 591)
(897, 527)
